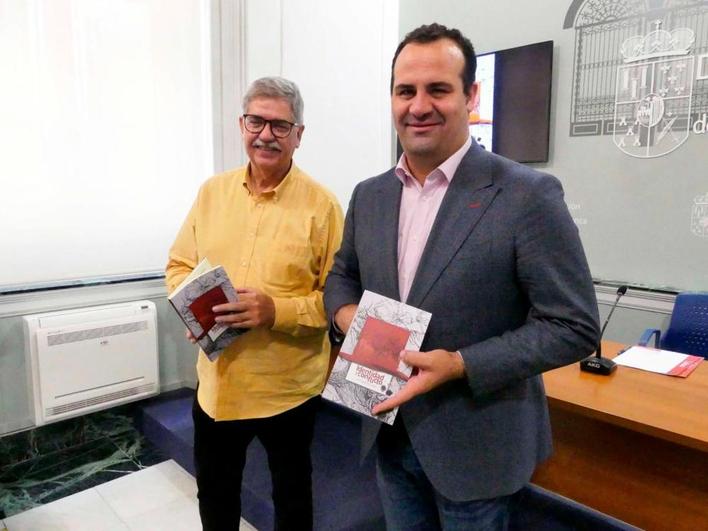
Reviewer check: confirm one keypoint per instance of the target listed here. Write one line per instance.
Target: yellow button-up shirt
(283, 243)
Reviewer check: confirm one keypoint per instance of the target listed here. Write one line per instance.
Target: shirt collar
(276, 192)
(447, 168)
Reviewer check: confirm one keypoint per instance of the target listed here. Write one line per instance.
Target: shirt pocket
(289, 268)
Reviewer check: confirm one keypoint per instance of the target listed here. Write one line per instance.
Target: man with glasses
(275, 231)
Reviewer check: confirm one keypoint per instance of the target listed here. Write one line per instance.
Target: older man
(275, 231)
(489, 248)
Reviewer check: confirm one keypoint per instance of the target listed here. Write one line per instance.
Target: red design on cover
(379, 346)
(201, 307)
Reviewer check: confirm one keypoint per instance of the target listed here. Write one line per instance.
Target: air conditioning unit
(87, 359)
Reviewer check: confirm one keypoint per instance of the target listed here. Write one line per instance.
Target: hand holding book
(368, 368)
(431, 369)
(253, 309)
(194, 300)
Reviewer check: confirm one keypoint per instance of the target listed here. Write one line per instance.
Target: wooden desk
(633, 445)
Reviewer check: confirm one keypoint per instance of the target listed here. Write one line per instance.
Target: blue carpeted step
(167, 422)
(344, 493)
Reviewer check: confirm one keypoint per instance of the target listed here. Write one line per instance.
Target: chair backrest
(688, 329)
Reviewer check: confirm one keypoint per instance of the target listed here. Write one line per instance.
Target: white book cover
(367, 369)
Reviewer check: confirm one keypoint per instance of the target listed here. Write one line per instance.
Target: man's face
(430, 108)
(266, 152)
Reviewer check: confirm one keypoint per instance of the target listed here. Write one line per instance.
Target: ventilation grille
(95, 333)
(110, 397)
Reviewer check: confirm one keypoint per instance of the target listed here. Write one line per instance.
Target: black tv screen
(512, 115)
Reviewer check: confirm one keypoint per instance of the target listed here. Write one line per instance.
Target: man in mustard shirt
(275, 231)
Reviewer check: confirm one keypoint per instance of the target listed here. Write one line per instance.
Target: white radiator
(88, 359)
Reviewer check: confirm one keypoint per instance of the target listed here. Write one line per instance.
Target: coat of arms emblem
(653, 95)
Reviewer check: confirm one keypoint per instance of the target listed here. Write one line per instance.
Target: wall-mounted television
(512, 115)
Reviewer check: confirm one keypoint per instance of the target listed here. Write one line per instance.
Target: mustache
(268, 145)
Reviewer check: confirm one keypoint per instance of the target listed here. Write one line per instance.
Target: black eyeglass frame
(277, 121)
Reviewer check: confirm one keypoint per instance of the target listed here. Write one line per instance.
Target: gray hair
(276, 87)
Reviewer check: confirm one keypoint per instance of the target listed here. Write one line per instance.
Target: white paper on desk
(656, 360)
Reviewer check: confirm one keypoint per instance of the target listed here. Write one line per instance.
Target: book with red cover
(194, 299)
(202, 305)
(368, 368)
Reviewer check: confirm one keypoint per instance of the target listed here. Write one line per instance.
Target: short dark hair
(434, 32)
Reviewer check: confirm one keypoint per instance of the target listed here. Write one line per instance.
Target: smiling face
(270, 156)
(429, 105)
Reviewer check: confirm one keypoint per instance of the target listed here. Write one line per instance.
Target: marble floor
(161, 497)
(55, 461)
(94, 472)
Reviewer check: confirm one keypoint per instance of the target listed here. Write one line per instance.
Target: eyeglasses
(255, 124)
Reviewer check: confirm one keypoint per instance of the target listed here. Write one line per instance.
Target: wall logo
(699, 216)
(653, 97)
(640, 72)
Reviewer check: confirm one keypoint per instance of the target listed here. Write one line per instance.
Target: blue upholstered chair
(688, 329)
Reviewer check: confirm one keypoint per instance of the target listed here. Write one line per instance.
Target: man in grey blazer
(488, 247)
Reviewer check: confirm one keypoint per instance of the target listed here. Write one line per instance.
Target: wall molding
(228, 67)
(637, 299)
(20, 304)
(77, 297)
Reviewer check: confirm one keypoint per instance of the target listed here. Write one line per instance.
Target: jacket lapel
(388, 208)
(470, 193)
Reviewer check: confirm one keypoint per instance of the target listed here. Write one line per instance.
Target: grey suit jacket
(506, 280)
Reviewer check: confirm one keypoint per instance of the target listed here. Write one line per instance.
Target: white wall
(105, 133)
(339, 55)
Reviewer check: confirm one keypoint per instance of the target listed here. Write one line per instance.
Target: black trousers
(220, 455)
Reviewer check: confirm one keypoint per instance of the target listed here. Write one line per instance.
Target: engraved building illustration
(640, 71)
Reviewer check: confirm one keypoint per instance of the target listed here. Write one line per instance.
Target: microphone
(597, 364)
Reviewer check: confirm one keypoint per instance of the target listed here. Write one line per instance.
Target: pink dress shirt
(419, 207)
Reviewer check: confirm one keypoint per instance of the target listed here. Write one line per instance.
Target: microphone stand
(597, 364)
